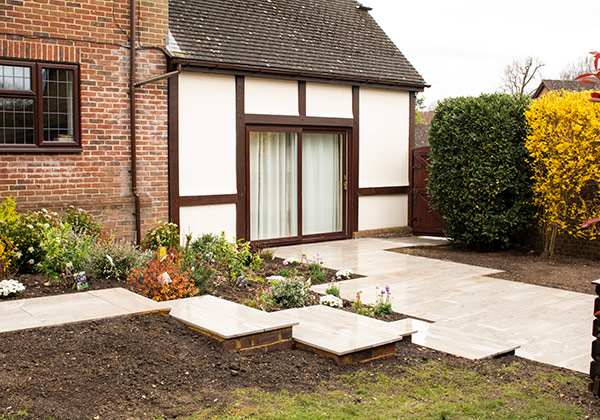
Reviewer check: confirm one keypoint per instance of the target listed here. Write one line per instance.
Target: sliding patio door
(296, 184)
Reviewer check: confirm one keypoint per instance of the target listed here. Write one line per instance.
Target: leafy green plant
(333, 289)
(64, 251)
(27, 233)
(383, 303)
(211, 243)
(6, 251)
(115, 259)
(164, 234)
(82, 222)
(202, 272)
(479, 178)
(360, 307)
(289, 272)
(290, 293)
(8, 215)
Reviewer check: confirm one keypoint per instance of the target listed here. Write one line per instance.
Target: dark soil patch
(525, 266)
(35, 286)
(152, 366)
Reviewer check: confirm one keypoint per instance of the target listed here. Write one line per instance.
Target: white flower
(346, 273)
(9, 287)
(46, 225)
(31, 261)
(30, 249)
(30, 227)
(290, 261)
(330, 300)
(69, 265)
(18, 255)
(110, 260)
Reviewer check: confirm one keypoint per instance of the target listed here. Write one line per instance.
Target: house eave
(256, 71)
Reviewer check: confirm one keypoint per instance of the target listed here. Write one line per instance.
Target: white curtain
(273, 185)
(321, 183)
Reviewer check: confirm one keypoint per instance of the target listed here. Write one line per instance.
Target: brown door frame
(346, 134)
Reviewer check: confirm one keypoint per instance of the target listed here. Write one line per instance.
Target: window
(38, 107)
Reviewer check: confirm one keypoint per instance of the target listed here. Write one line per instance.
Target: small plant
(360, 307)
(115, 259)
(64, 252)
(291, 261)
(333, 290)
(8, 215)
(383, 303)
(82, 222)
(267, 254)
(331, 300)
(202, 273)
(290, 293)
(10, 287)
(314, 268)
(164, 279)
(289, 272)
(164, 234)
(344, 274)
(6, 251)
(210, 243)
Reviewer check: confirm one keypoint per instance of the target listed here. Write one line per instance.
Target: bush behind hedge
(479, 177)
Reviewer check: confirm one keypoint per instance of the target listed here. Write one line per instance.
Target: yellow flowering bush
(563, 127)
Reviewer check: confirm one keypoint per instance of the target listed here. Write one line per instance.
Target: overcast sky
(461, 47)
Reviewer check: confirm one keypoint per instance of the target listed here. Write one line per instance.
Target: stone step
(235, 327)
(47, 311)
(453, 341)
(343, 336)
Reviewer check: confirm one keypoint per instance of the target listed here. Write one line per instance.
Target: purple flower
(387, 289)
(382, 293)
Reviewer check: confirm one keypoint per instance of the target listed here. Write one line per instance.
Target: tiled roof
(572, 85)
(312, 38)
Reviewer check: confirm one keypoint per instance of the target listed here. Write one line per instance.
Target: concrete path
(459, 306)
(24, 314)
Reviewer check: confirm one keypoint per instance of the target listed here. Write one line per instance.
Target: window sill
(36, 149)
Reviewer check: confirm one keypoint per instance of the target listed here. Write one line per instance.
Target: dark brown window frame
(36, 93)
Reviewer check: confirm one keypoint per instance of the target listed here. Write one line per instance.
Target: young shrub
(164, 234)
(290, 293)
(218, 245)
(82, 222)
(115, 259)
(202, 273)
(63, 251)
(164, 279)
(8, 216)
(563, 131)
(479, 178)
(27, 235)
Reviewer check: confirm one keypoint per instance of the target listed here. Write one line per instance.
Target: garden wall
(94, 35)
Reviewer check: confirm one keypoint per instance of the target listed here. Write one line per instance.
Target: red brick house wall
(94, 35)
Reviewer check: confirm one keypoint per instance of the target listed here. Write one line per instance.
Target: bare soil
(153, 366)
(522, 265)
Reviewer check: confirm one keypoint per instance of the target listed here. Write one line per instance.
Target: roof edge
(255, 70)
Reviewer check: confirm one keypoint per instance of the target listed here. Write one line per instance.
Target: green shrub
(211, 243)
(333, 289)
(64, 251)
(8, 215)
(479, 178)
(290, 293)
(27, 235)
(82, 222)
(115, 259)
(164, 234)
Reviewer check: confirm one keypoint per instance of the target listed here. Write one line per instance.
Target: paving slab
(550, 325)
(340, 332)
(224, 318)
(23, 314)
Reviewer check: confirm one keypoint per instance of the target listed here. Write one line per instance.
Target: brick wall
(94, 34)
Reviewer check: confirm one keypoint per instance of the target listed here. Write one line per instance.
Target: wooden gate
(425, 221)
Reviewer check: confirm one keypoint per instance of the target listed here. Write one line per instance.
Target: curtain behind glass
(273, 185)
(321, 183)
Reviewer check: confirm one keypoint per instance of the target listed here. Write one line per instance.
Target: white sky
(461, 47)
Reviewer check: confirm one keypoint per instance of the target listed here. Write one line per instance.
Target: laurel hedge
(479, 177)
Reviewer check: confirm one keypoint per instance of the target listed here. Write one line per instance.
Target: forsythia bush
(562, 129)
(479, 178)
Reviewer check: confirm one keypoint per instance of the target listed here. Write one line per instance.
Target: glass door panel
(322, 189)
(273, 185)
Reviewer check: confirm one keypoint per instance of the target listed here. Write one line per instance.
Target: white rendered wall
(207, 136)
(270, 96)
(324, 100)
(383, 211)
(198, 220)
(383, 151)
